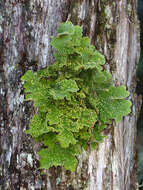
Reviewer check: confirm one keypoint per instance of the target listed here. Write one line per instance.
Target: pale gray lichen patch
(2, 92)
(1, 21)
(109, 16)
(25, 158)
(82, 12)
(30, 159)
(8, 156)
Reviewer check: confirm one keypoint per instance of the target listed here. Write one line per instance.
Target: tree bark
(25, 30)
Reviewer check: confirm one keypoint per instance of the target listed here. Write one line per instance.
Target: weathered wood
(25, 30)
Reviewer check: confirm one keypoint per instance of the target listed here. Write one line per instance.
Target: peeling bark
(25, 30)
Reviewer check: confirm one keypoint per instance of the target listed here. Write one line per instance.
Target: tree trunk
(25, 30)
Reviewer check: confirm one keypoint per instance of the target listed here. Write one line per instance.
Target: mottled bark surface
(25, 30)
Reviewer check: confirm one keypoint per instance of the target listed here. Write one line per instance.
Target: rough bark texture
(25, 30)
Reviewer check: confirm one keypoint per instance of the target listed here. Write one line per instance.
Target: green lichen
(75, 97)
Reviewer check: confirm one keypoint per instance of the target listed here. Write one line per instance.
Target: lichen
(106, 31)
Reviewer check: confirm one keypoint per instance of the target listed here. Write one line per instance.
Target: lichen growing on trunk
(25, 30)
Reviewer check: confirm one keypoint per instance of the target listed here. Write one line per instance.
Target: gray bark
(25, 30)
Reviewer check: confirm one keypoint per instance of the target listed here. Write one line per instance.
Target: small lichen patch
(109, 16)
(30, 159)
(25, 158)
